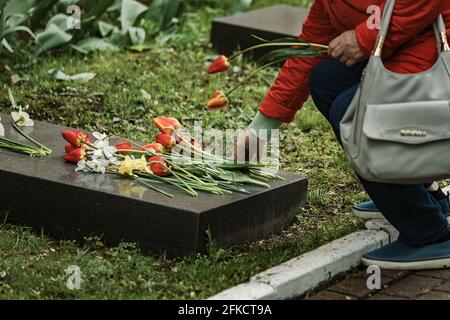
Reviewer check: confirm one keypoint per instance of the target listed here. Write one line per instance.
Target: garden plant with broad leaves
(100, 25)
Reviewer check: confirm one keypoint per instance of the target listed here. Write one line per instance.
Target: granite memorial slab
(233, 32)
(47, 194)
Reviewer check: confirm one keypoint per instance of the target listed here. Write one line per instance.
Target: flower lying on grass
(285, 48)
(159, 163)
(22, 119)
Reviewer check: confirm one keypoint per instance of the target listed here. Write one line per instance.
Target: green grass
(33, 266)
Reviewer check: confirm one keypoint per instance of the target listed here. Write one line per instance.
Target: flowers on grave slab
(159, 163)
(76, 138)
(75, 156)
(282, 50)
(168, 141)
(159, 166)
(167, 125)
(154, 147)
(20, 118)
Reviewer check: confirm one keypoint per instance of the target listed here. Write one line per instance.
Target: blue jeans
(409, 208)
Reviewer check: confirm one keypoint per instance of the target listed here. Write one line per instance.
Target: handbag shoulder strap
(439, 29)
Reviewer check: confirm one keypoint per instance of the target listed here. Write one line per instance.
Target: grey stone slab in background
(47, 193)
(233, 32)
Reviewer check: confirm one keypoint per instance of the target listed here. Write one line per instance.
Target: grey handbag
(397, 128)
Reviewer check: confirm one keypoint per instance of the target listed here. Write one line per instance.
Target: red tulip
(221, 64)
(166, 140)
(76, 138)
(123, 146)
(159, 166)
(75, 156)
(154, 147)
(182, 137)
(167, 125)
(69, 148)
(217, 101)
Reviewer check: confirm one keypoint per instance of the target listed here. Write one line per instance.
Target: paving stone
(435, 295)
(441, 274)
(394, 274)
(46, 193)
(412, 286)
(444, 287)
(381, 296)
(354, 286)
(233, 32)
(330, 295)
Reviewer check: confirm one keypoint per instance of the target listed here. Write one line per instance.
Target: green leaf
(17, 29)
(287, 53)
(40, 12)
(137, 35)
(21, 7)
(129, 13)
(62, 5)
(280, 40)
(93, 44)
(7, 46)
(60, 20)
(105, 28)
(52, 37)
(153, 12)
(60, 75)
(241, 5)
(170, 12)
(95, 8)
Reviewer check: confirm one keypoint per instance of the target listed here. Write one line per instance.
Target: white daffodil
(107, 152)
(98, 165)
(2, 129)
(114, 161)
(99, 136)
(81, 166)
(22, 118)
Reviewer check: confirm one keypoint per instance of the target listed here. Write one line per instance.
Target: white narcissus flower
(98, 165)
(81, 166)
(22, 118)
(114, 161)
(107, 152)
(2, 129)
(99, 136)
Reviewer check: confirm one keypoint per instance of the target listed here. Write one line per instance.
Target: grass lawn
(173, 72)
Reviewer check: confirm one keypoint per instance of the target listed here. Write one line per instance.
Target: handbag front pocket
(409, 123)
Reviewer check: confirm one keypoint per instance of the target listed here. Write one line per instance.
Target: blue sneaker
(398, 256)
(368, 210)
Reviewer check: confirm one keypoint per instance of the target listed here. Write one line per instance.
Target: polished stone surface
(47, 193)
(233, 32)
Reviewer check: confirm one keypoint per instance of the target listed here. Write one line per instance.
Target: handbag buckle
(413, 133)
(445, 41)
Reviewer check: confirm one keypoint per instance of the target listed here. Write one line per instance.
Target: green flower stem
(141, 181)
(283, 44)
(48, 150)
(252, 74)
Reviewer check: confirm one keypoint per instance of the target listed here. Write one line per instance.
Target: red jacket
(409, 48)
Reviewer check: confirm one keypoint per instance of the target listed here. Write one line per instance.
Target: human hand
(248, 147)
(346, 49)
